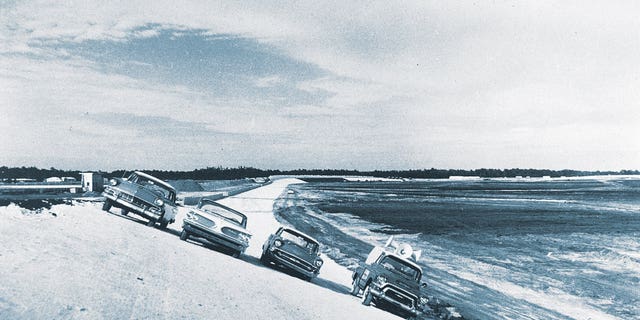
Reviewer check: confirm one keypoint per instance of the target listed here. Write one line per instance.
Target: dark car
(293, 250)
(217, 224)
(390, 280)
(144, 195)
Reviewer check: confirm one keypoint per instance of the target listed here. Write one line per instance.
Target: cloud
(426, 83)
(269, 81)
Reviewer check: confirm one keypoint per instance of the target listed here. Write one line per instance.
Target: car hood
(300, 252)
(220, 222)
(398, 280)
(139, 191)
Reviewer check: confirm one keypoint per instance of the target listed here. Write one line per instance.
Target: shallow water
(495, 249)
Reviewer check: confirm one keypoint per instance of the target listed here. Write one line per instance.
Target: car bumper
(291, 265)
(214, 237)
(380, 295)
(120, 202)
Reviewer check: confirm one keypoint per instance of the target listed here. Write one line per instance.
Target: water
(495, 249)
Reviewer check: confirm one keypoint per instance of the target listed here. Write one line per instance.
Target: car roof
(150, 177)
(300, 233)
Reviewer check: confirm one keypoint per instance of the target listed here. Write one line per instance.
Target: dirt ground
(79, 262)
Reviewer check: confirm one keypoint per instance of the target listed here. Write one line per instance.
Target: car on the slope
(144, 195)
(391, 279)
(293, 250)
(217, 224)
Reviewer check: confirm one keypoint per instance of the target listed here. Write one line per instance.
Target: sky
(179, 85)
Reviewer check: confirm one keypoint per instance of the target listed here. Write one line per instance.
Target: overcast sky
(318, 84)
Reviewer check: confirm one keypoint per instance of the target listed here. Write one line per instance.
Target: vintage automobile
(293, 250)
(391, 280)
(143, 195)
(217, 224)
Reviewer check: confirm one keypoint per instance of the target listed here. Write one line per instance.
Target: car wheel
(184, 235)
(106, 205)
(163, 224)
(151, 223)
(366, 296)
(124, 211)
(355, 289)
(264, 259)
(235, 254)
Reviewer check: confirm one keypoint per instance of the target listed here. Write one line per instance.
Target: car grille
(295, 260)
(399, 296)
(205, 222)
(140, 203)
(134, 200)
(231, 232)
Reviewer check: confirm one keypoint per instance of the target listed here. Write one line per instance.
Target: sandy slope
(84, 263)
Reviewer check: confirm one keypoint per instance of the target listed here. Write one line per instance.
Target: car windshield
(152, 185)
(234, 217)
(299, 240)
(397, 265)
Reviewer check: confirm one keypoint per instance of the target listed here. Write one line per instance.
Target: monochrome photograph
(434, 160)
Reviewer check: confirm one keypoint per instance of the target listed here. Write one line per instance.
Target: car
(144, 195)
(391, 279)
(211, 222)
(294, 251)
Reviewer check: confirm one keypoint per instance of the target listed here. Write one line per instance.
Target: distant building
(69, 179)
(53, 179)
(92, 181)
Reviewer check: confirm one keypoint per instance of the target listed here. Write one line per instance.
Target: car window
(226, 214)
(299, 240)
(394, 264)
(157, 188)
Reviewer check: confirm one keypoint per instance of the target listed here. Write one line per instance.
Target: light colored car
(217, 224)
(144, 195)
(293, 250)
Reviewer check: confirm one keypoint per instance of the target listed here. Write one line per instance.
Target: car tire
(236, 254)
(124, 211)
(106, 205)
(355, 289)
(184, 235)
(163, 224)
(366, 296)
(151, 223)
(265, 259)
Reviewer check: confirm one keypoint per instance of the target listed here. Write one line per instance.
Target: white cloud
(270, 81)
(446, 79)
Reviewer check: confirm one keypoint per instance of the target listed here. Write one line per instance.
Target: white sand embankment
(85, 264)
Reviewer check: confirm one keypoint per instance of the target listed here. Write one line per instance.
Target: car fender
(365, 277)
(170, 213)
(267, 244)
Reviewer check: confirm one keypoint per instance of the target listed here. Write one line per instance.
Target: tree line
(223, 173)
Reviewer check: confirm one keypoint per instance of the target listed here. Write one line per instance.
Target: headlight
(380, 280)
(236, 234)
(113, 182)
(318, 263)
(245, 237)
(159, 202)
(277, 243)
